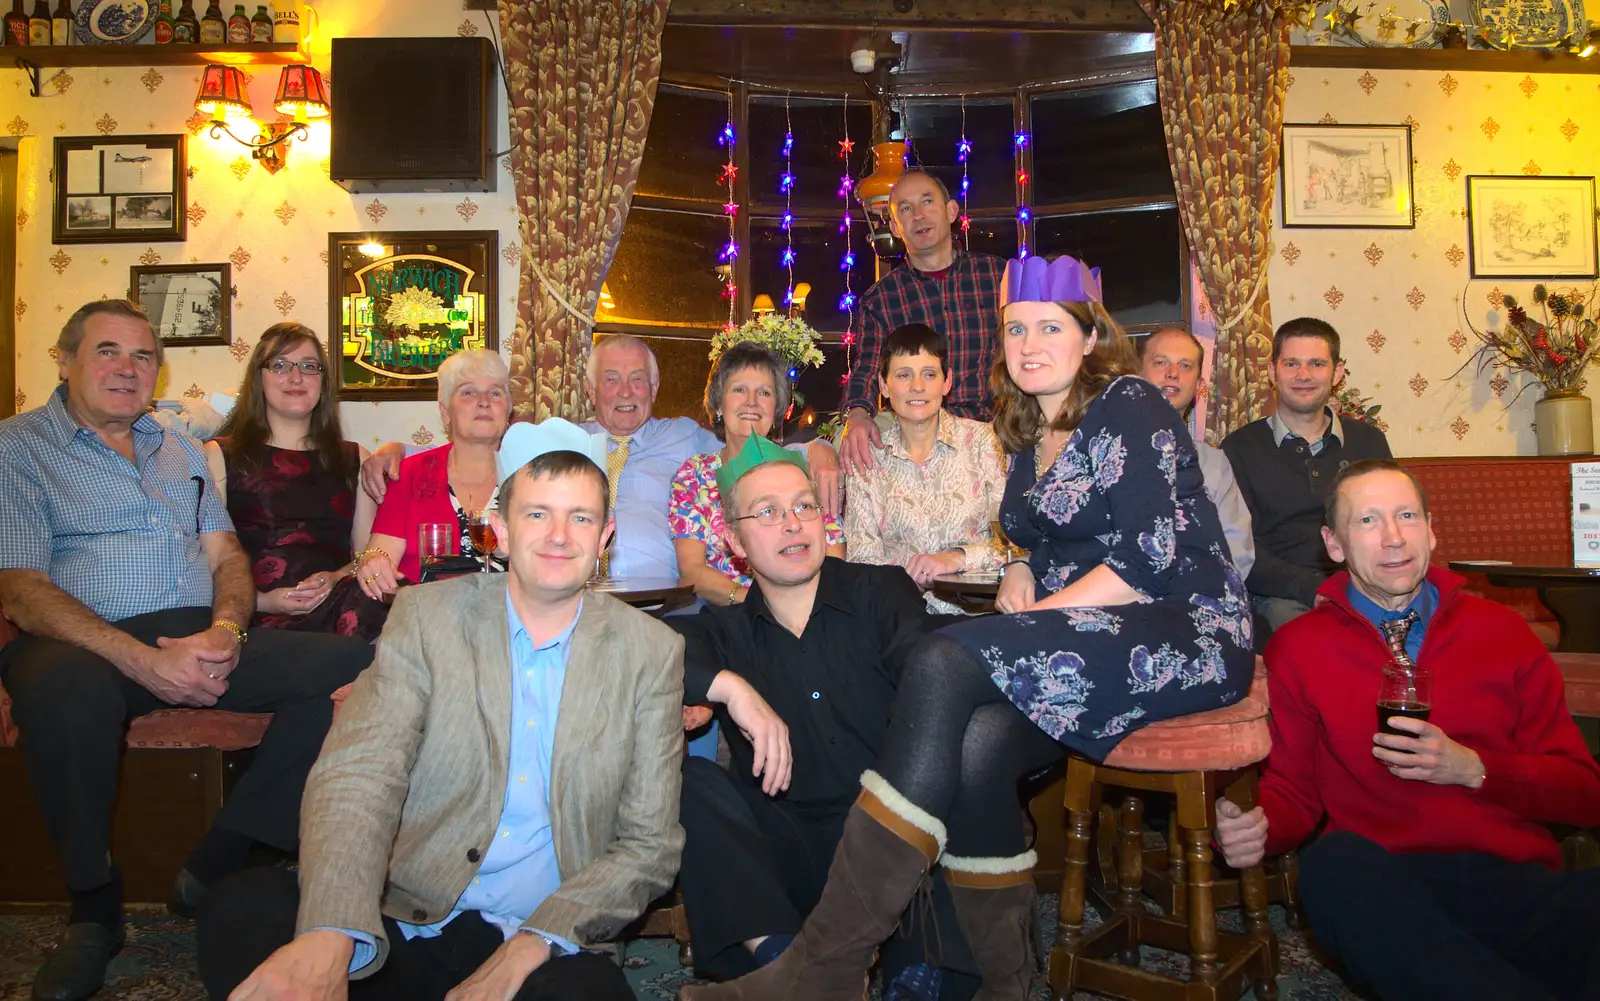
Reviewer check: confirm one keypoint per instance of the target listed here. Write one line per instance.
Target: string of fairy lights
(786, 188)
(730, 208)
(964, 150)
(847, 301)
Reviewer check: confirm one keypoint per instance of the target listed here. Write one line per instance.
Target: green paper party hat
(757, 451)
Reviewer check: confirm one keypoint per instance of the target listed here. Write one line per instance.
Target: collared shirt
(1280, 431)
(519, 870)
(962, 303)
(1424, 603)
(900, 508)
(122, 537)
(832, 684)
(643, 546)
(1223, 489)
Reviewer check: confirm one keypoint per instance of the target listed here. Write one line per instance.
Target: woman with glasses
(747, 390)
(289, 479)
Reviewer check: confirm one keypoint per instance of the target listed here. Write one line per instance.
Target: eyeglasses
(769, 516)
(282, 366)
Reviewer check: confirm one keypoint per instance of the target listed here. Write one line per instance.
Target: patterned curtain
(582, 76)
(1222, 71)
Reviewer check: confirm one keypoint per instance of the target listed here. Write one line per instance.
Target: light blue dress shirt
(519, 870)
(643, 546)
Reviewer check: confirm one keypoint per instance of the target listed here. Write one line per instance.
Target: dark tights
(957, 748)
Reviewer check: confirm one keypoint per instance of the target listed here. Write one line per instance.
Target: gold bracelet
(733, 594)
(232, 627)
(364, 555)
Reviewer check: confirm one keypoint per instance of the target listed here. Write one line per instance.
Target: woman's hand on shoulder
(1016, 589)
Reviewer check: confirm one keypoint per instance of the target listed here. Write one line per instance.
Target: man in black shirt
(1285, 464)
(802, 673)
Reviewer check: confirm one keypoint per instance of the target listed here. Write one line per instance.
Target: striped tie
(615, 460)
(1395, 632)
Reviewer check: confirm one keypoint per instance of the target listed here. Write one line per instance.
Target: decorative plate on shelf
(1529, 23)
(1403, 24)
(114, 22)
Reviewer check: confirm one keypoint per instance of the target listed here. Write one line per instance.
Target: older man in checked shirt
(954, 292)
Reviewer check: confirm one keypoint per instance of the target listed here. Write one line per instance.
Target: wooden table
(1571, 592)
(658, 595)
(973, 592)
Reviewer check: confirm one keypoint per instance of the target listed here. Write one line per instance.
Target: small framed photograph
(189, 304)
(1347, 177)
(130, 189)
(1531, 227)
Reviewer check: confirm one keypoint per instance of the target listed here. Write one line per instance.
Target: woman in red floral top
(747, 390)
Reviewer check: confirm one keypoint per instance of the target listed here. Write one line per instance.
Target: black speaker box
(413, 114)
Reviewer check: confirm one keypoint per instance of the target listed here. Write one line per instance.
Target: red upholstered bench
(1500, 507)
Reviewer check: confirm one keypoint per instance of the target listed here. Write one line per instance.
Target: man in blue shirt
(120, 566)
(500, 791)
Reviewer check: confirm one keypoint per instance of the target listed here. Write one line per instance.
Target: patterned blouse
(900, 508)
(695, 512)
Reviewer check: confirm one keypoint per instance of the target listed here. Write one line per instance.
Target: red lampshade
(222, 93)
(301, 93)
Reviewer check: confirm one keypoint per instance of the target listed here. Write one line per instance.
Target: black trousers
(755, 866)
(251, 914)
(1452, 927)
(73, 708)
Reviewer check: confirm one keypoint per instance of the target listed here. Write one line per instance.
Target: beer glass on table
(480, 530)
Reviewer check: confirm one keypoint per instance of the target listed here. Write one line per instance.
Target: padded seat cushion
(1581, 672)
(1219, 740)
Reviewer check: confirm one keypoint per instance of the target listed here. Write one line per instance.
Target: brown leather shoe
(994, 904)
(888, 847)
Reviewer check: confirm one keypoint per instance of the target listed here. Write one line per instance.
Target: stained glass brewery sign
(406, 302)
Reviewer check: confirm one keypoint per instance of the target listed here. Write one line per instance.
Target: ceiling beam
(924, 15)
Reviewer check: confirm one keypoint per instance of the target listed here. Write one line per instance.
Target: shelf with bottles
(148, 55)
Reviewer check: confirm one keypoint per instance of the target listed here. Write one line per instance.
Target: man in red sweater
(1435, 876)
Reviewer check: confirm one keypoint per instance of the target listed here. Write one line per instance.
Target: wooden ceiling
(950, 46)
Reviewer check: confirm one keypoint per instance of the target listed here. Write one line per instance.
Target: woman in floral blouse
(747, 390)
(929, 499)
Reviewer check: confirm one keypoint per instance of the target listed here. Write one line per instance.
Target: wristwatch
(557, 950)
(232, 627)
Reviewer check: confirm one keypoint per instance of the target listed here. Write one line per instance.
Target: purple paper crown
(1065, 279)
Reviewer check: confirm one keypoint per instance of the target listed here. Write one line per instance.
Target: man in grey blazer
(500, 791)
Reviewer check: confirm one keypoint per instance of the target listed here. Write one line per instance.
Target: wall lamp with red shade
(301, 94)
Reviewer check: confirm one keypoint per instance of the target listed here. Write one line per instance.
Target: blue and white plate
(114, 22)
(1532, 23)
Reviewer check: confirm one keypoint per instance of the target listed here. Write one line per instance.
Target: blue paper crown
(1065, 279)
(525, 442)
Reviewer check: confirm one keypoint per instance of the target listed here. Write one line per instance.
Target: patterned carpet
(158, 962)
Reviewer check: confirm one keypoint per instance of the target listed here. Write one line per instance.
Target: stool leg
(1074, 875)
(1253, 896)
(1202, 916)
(1130, 874)
(1289, 866)
(1177, 868)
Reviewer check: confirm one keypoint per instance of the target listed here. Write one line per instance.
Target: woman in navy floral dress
(1128, 611)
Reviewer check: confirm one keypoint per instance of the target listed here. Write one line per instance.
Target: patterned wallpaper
(273, 228)
(1399, 298)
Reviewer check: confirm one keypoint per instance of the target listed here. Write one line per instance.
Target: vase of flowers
(790, 336)
(1556, 349)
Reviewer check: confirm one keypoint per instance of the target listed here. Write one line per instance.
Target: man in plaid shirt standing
(954, 292)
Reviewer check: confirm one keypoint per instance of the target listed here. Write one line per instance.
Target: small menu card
(1586, 513)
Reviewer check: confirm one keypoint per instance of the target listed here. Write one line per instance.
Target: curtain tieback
(1249, 303)
(550, 287)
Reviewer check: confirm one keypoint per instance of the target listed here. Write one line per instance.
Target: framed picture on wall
(1531, 227)
(129, 189)
(1347, 176)
(400, 304)
(189, 304)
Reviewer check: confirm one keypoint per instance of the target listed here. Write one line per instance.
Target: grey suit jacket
(406, 795)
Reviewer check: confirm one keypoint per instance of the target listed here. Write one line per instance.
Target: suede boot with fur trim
(994, 900)
(889, 844)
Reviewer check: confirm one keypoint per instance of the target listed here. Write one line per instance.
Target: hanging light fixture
(301, 94)
(888, 163)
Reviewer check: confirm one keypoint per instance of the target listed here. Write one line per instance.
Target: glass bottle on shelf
(61, 24)
(16, 25)
(261, 26)
(39, 24)
(164, 23)
(186, 27)
(238, 26)
(213, 27)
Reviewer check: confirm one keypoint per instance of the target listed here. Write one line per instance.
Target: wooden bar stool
(1194, 758)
